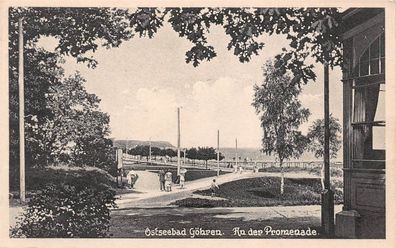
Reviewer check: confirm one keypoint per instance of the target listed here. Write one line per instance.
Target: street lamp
(218, 152)
(327, 211)
(178, 141)
(22, 189)
(150, 151)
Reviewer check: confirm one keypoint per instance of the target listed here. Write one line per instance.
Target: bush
(66, 211)
(38, 178)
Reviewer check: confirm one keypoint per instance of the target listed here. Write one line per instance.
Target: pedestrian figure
(255, 168)
(240, 169)
(214, 187)
(128, 177)
(161, 175)
(182, 177)
(182, 181)
(168, 181)
(132, 177)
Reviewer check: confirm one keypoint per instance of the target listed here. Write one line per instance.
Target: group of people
(238, 169)
(165, 179)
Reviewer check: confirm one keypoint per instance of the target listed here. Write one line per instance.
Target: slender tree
(281, 115)
(316, 137)
(316, 140)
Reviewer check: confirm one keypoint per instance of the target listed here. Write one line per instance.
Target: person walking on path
(182, 177)
(132, 177)
(214, 187)
(161, 175)
(168, 181)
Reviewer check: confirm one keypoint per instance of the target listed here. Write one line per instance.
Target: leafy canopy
(207, 153)
(313, 31)
(316, 137)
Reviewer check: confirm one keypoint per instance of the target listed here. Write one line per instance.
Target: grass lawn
(260, 192)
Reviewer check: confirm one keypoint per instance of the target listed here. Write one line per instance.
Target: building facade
(363, 214)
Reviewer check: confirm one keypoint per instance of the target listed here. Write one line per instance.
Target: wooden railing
(212, 164)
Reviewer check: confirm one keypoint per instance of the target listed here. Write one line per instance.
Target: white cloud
(129, 107)
(153, 114)
(221, 104)
(314, 102)
(125, 92)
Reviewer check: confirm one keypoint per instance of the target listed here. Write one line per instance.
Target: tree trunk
(206, 164)
(282, 178)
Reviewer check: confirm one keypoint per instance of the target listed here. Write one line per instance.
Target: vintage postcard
(210, 123)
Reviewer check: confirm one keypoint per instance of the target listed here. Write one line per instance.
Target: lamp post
(178, 141)
(218, 152)
(150, 151)
(236, 155)
(327, 211)
(22, 189)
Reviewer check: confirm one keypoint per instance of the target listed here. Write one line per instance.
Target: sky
(144, 81)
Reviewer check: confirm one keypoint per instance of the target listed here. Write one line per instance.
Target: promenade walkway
(151, 209)
(152, 197)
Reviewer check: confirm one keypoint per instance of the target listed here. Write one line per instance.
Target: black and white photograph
(198, 122)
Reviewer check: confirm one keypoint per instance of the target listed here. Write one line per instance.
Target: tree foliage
(143, 150)
(76, 209)
(281, 114)
(75, 131)
(81, 30)
(62, 120)
(192, 153)
(42, 69)
(316, 137)
(203, 153)
(139, 150)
